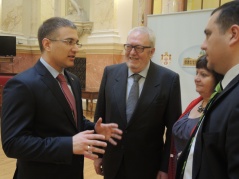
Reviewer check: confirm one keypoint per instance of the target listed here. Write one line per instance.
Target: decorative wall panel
(79, 70)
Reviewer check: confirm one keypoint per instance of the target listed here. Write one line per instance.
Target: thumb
(98, 123)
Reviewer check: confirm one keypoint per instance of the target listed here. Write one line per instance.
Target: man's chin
(69, 65)
(209, 66)
(132, 66)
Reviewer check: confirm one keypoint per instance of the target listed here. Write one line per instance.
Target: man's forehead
(212, 21)
(214, 17)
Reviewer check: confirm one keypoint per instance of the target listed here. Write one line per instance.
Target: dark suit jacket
(37, 125)
(142, 148)
(216, 155)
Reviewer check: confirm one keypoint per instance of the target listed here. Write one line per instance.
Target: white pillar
(112, 20)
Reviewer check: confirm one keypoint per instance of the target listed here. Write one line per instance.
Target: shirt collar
(54, 72)
(232, 73)
(143, 73)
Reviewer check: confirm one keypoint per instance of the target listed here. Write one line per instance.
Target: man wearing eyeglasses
(43, 126)
(142, 152)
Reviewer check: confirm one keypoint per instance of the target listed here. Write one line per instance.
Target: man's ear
(234, 34)
(46, 44)
(152, 51)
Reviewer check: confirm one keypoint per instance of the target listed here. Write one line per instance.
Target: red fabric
(173, 155)
(4, 79)
(69, 96)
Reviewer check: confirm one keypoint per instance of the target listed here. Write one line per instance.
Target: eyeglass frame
(69, 41)
(135, 48)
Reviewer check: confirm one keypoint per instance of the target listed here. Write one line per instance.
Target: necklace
(201, 108)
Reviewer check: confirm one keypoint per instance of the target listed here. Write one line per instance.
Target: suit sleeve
(173, 112)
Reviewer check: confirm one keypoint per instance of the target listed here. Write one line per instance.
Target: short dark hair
(49, 28)
(202, 63)
(228, 15)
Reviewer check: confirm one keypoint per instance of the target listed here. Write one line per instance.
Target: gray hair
(145, 30)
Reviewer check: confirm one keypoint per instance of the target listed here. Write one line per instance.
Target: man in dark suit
(215, 154)
(47, 136)
(142, 152)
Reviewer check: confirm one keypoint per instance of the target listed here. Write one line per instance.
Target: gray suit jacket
(142, 149)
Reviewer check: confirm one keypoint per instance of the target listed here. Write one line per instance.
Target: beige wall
(104, 23)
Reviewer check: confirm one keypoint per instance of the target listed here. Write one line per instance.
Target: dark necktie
(69, 96)
(217, 90)
(133, 96)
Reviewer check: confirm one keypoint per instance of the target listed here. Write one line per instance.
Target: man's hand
(87, 143)
(162, 175)
(98, 166)
(110, 131)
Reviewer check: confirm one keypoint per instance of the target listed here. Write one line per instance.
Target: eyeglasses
(137, 48)
(70, 42)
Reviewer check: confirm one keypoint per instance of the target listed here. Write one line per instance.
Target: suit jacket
(142, 150)
(216, 153)
(38, 125)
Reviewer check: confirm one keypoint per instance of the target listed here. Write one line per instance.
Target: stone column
(112, 20)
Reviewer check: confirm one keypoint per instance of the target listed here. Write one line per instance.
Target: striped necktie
(133, 96)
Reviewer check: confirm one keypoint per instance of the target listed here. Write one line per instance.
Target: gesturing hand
(110, 131)
(88, 144)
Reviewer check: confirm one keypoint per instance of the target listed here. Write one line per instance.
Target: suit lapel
(198, 146)
(119, 89)
(197, 155)
(150, 89)
(54, 87)
(228, 88)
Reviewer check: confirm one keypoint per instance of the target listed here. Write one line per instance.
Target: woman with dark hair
(205, 81)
